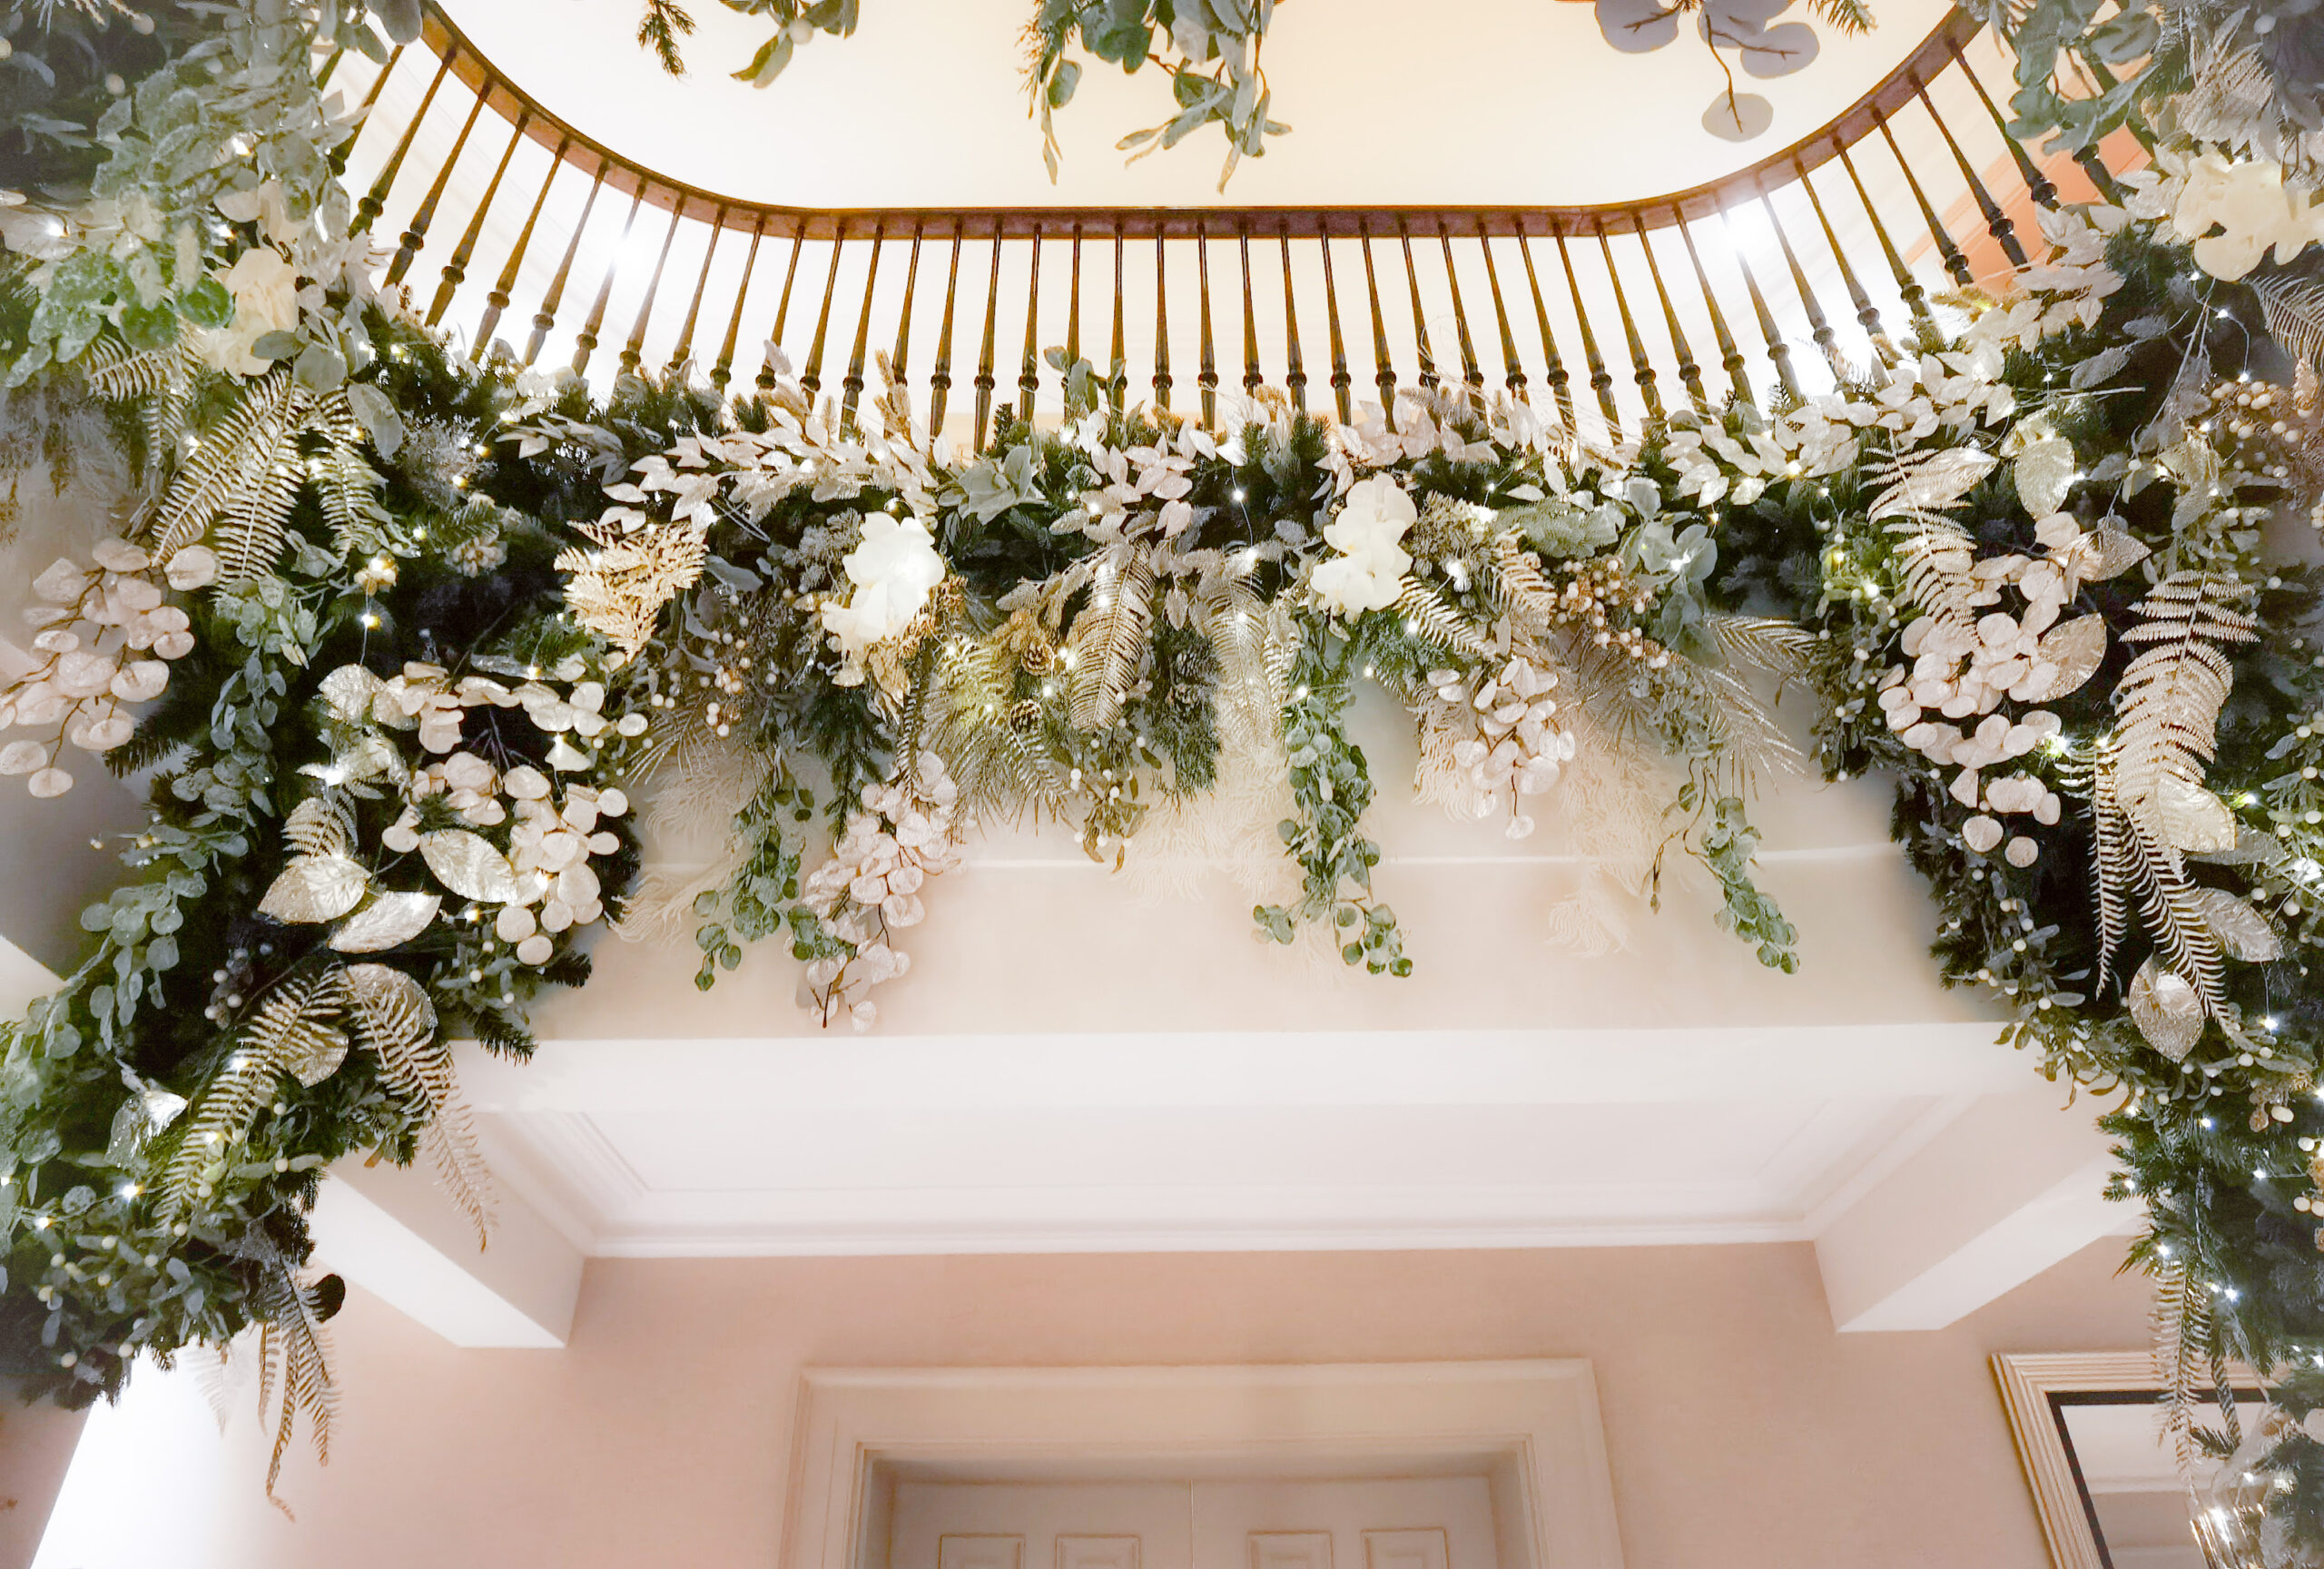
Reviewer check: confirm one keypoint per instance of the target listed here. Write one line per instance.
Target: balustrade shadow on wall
(510, 225)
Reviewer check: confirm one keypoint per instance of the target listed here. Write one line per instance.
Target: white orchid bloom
(1369, 570)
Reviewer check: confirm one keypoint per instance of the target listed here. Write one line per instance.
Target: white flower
(893, 571)
(265, 288)
(2249, 202)
(1370, 567)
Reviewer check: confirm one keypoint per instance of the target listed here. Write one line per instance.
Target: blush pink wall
(1743, 1432)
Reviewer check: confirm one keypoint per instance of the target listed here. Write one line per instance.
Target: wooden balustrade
(1915, 190)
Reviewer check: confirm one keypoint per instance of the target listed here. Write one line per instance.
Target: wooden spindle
(1818, 329)
(546, 317)
(1295, 373)
(939, 381)
(1512, 373)
(415, 233)
(1117, 360)
(1161, 324)
(1341, 379)
(1867, 314)
(1208, 376)
(633, 353)
(1552, 362)
(1641, 364)
(1730, 358)
(376, 197)
(1383, 375)
(1420, 315)
(1955, 262)
(1251, 379)
(683, 351)
(1073, 302)
(986, 379)
(783, 305)
(586, 344)
(1908, 288)
(2037, 184)
(1602, 380)
(1778, 351)
(1997, 224)
(455, 272)
(723, 370)
(1471, 372)
(1028, 373)
(1690, 372)
(852, 385)
(813, 378)
(898, 361)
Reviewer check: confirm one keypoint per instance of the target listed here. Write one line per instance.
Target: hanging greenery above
(405, 642)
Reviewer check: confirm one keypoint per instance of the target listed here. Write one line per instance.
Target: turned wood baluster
(722, 372)
(1251, 379)
(1341, 379)
(1383, 375)
(1997, 221)
(683, 351)
(546, 317)
(1690, 372)
(633, 352)
(1818, 329)
(1955, 262)
(586, 344)
(898, 362)
(1730, 358)
(1552, 363)
(455, 271)
(765, 381)
(376, 197)
(1602, 380)
(1908, 288)
(1117, 364)
(1778, 351)
(415, 233)
(939, 381)
(852, 385)
(1028, 373)
(1867, 314)
(497, 299)
(813, 378)
(1420, 315)
(1641, 367)
(986, 379)
(1208, 377)
(1512, 373)
(1471, 372)
(1161, 324)
(1294, 374)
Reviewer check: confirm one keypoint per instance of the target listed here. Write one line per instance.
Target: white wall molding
(1532, 1427)
(391, 1230)
(1998, 1196)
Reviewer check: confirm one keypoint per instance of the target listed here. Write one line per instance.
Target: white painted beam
(392, 1231)
(2008, 1188)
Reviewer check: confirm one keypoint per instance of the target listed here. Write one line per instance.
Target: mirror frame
(2028, 1384)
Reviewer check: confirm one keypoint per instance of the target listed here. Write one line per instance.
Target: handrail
(1620, 312)
(625, 176)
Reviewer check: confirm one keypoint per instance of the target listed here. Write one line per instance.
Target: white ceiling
(1492, 102)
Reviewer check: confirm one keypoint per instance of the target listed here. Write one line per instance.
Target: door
(1384, 1523)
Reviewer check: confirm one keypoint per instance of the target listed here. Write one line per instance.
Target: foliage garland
(395, 665)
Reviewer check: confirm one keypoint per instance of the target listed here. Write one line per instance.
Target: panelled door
(1407, 1522)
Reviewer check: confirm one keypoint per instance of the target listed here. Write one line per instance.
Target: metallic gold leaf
(2117, 554)
(2077, 647)
(387, 920)
(469, 866)
(314, 889)
(349, 690)
(2251, 845)
(2243, 932)
(2044, 474)
(2190, 817)
(2166, 1009)
(314, 1054)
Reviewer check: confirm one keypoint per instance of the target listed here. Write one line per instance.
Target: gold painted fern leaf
(391, 1013)
(1111, 639)
(294, 1351)
(294, 1031)
(2167, 704)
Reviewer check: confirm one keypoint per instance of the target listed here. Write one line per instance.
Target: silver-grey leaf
(468, 866)
(2117, 554)
(2242, 930)
(349, 690)
(387, 920)
(2166, 1009)
(314, 889)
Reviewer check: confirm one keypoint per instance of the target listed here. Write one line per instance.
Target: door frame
(1531, 1427)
